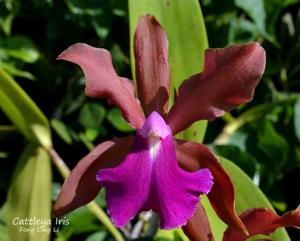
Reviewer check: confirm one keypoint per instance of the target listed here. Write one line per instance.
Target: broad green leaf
(248, 195)
(92, 115)
(98, 236)
(273, 152)
(115, 118)
(80, 221)
(256, 10)
(273, 9)
(184, 25)
(3, 233)
(7, 131)
(239, 157)
(165, 235)
(20, 47)
(23, 112)
(62, 130)
(8, 11)
(29, 196)
(216, 224)
(297, 118)
(10, 68)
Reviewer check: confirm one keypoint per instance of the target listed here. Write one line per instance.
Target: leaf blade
(248, 195)
(29, 195)
(23, 112)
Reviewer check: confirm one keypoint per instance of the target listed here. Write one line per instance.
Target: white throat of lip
(153, 145)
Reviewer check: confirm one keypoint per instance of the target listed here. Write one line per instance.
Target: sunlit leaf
(98, 236)
(20, 47)
(12, 70)
(255, 9)
(3, 233)
(23, 112)
(80, 221)
(297, 118)
(29, 195)
(187, 41)
(91, 115)
(62, 130)
(248, 195)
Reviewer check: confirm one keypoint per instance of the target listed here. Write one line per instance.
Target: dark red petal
(193, 156)
(263, 221)
(228, 80)
(81, 186)
(151, 65)
(197, 227)
(102, 80)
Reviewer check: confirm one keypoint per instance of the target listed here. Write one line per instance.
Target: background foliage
(262, 137)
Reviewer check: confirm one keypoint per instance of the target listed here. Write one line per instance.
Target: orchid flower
(153, 170)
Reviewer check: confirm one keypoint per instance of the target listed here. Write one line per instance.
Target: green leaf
(217, 225)
(12, 70)
(3, 233)
(81, 220)
(187, 41)
(29, 196)
(271, 150)
(92, 115)
(98, 236)
(3, 214)
(20, 47)
(62, 130)
(256, 10)
(23, 112)
(7, 132)
(297, 118)
(248, 196)
(239, 157)
(273, 10)
(115, 118)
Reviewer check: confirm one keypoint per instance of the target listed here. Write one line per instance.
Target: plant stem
(251, 115)
(92, 206)
(59, 163)
(101, 215)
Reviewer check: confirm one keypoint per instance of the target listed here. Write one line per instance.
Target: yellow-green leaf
(23, 112)
(29, 197)
(247, 196)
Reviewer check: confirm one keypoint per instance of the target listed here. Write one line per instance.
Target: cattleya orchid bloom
(153, 170)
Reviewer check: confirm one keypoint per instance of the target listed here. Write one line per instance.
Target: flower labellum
(150, 178)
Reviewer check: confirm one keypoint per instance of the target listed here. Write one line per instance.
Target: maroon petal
(228, 80)
(263, 221)
(102, 80)
(81, 186)
(193, 156)
(151, 64)
(197, 227)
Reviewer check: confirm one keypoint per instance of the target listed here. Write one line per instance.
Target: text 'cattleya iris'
(153, 170)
